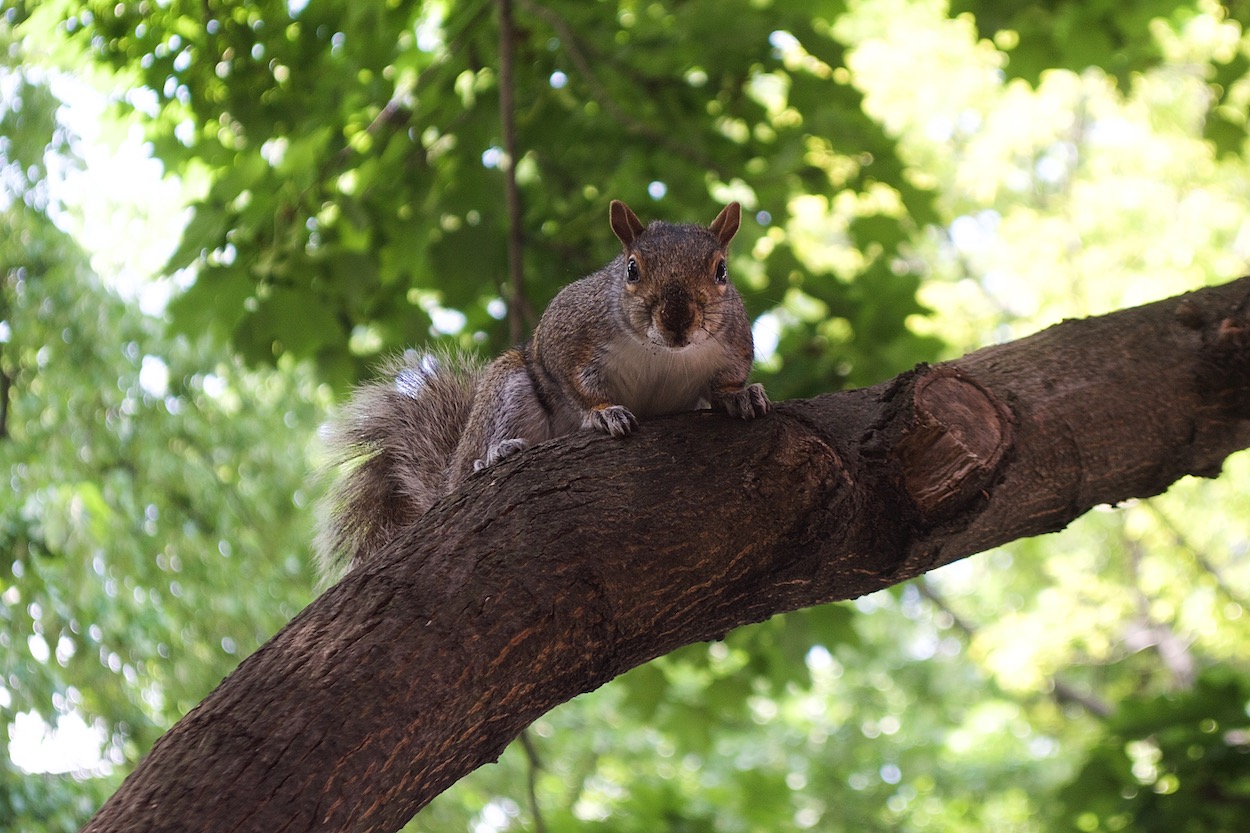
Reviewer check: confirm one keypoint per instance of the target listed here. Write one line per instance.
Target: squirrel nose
(677, 313)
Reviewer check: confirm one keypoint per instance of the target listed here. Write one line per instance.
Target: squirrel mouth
(676, 342)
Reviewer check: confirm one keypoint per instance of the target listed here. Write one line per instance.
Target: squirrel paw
(498, 451)
(746, 403)
(616, 420)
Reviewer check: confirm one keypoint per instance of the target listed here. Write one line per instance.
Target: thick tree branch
(557, 570)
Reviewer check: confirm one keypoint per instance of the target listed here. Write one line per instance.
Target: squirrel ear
(725, 226)
(624, 222)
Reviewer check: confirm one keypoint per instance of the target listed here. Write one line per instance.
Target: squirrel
(658, 330)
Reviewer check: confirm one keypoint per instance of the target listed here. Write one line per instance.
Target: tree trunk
(562, 567)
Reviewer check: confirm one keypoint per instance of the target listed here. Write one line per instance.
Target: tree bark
(555, 571)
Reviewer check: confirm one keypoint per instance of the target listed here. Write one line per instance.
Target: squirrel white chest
(651, 379)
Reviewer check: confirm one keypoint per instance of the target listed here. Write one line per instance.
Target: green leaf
(215, 303)
(205, 231)
(300, 321)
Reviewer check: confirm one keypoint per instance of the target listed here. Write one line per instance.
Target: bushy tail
(390, 449)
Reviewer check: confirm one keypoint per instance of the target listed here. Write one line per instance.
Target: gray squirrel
(658, 330)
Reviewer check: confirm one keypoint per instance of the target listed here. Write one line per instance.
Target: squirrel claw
(498, 451)
(616, 420)
(746, 403)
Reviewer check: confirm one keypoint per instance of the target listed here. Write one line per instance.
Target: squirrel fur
(658, 330)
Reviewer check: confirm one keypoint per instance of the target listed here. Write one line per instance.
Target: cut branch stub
(958, 437)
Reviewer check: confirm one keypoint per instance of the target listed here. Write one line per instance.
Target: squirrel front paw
(745, 403)
(616, 420)
(498, 451)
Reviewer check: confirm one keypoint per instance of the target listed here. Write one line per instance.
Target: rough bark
(559, 569)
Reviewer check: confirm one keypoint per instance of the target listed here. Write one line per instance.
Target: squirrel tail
(390, 450)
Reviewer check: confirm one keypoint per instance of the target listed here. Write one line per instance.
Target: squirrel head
(675, 278)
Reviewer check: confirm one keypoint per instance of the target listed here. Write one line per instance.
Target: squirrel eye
(722, 272)
(631, 271)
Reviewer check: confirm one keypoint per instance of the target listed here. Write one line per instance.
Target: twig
(531, 783)
(6, 384)
(1065, 693)
(1060, 690)
(6, 381)
(1173, 652)
(1182, 541)
(395, 113)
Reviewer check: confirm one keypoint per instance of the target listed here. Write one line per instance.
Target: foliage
(145, 484)
(134, 515)
(919, 180)
(1176, 762)
(355, 163)
(1067, 33)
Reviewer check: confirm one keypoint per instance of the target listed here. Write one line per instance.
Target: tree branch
(1184, 542)
(6, 380)
(512, 195)
(1062, 691)
(1148, 632)
(566, 565)
(531, 780)
(6, 385)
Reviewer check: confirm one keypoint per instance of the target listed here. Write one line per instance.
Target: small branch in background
(397, 113)
(394, 114)
(6, 385)
(1148, 632)
(512, 195)
(531, 781)
(1065, 694)
(939, 601)
(1181, 540)
(1062, 692)
(6, 381)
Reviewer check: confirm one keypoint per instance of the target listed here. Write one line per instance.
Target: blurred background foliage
(215, 216)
